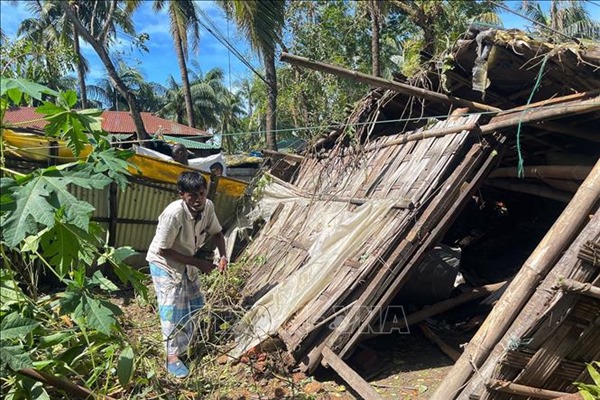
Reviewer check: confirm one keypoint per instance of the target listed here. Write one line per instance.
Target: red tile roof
(113, 122)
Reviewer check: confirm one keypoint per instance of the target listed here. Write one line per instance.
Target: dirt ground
(398, 366)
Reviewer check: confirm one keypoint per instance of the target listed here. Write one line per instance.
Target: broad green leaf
(33, 89)
(55, 338)
(15, 326)
(85, 179)
(32, 207)
(120, 254)
(103, 282)
(63, 246)
(15, 357)
(69, 302)
(99, 315)
(50, 109)
(10, 293)
(128, 274)
(68, 98)
(125, 366)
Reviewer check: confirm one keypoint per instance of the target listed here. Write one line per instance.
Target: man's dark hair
(191, 182)
(218, 166)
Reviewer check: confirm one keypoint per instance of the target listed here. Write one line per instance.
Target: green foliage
(591, 391)
(74, 330)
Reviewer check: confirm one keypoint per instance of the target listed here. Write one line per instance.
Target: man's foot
(177, 369)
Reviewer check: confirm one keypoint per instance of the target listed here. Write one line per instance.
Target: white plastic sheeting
(343, 231)
(204, 163)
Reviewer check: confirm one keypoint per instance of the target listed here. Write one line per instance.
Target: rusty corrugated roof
(113, 122)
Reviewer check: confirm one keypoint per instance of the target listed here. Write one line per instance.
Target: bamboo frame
(523, 285)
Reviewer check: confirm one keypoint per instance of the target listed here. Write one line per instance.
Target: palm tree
(98, 38)
(183, 16)
(51, 26)
(262, 23)
(173, 107)
(568, 17)
(208, 92)
(230, 118)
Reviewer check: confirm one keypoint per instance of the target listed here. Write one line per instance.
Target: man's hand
(222, 264)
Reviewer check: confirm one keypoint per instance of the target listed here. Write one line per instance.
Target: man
(181, 231)
(180, 154)
(216, 169)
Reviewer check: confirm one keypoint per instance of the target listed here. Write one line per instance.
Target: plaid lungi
(178, 297)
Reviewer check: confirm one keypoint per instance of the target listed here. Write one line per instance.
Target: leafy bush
(72, 333)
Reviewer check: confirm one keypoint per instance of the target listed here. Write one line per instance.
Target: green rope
(521, 168)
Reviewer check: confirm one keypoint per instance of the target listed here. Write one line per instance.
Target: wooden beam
(534, 270)
(443, 346)
(355, 381)
(571, 286)
(531, 188)
(286, 156)
(522, 390)
(576, 172)
(384, 83)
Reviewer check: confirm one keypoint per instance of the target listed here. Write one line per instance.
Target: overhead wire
(212, 28)
(342, 125)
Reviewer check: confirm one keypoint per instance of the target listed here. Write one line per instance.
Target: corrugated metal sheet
(191, 144)
(112, 122)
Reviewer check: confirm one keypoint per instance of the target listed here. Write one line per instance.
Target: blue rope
(521, 168)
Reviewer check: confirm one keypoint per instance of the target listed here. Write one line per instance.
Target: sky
(160, 62)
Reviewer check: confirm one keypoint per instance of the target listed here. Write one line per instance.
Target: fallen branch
(62, 384)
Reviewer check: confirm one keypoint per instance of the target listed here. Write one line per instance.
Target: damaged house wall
(410, 175)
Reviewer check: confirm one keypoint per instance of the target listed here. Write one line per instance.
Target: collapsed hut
(511, 128)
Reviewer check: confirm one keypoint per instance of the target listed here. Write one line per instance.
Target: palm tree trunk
(185, 82)
(110, 68)
(80, 70)
(375, 26)
(271, 117)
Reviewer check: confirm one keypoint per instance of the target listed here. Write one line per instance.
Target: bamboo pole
(384, 83)
(576, 172)
(286, 156)
(523, 285)
(572, 396)
(531, 188)
(542, 113)
(522, 390)
(569, 285)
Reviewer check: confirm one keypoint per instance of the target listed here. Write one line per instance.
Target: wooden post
(384, 83)
(522, 390)
(574, 172)
(357, 383)
(523, 285)
(113, 212)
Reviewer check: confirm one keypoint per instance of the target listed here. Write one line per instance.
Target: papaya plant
(70, 337)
